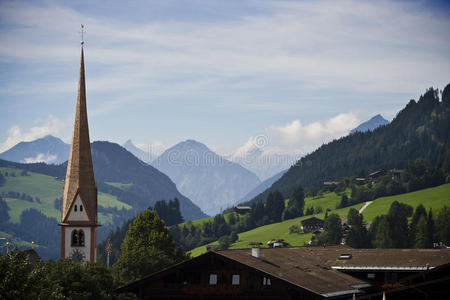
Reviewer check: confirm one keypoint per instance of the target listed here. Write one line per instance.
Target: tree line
(391, 230)
(146, 248)
(417, 175)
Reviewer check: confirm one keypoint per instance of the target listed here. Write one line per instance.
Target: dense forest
(419, 131)
(392, 230)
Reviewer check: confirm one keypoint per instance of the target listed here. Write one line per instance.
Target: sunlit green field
(279, 230)
(434, 198)
(47, 189)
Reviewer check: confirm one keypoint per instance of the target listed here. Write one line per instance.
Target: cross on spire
(82, 34)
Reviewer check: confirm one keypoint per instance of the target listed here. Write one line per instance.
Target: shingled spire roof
(80, 173)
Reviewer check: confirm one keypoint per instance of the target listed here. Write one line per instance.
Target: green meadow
(47, 189)
(434, 198)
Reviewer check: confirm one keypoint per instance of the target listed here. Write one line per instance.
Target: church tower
(79, 203)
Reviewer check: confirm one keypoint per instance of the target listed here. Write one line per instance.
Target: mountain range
(145, 156)
(48, 149)
(209, 180)
(122, 175)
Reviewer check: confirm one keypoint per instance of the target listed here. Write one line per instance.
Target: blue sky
(299, 73)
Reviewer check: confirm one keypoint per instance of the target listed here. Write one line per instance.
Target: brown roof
(299, 268)
(316, 268)
(400, 259)
(312, 219)
(80, 173)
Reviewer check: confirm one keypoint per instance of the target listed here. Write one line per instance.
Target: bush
(295, 229)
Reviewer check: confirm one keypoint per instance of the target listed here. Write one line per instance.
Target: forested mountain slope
(420, 130)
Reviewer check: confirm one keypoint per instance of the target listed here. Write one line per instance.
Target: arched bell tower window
(75, 208)
(78, 238)
(81, 207)
(74, 241)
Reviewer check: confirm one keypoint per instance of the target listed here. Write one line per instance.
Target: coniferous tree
(295, 205)
(344, 201)
(2, 179)
(382, 233)
(232, 219)
(419, 212)
(358, 236)
(421, 238)
(332, 234)
(274, 206)
(169, 212)
(443, 225)
(430, 228)
(398, 221)
(4, 215)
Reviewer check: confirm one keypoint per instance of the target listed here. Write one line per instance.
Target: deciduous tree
(147, 248)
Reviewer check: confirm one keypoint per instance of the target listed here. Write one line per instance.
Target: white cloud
(299, 138)
(16, 135)
(351, 45)
(41, 157)
(295, 138)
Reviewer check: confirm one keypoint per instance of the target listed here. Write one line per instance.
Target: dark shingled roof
(316, 268)
(299, 268)
(420, 259)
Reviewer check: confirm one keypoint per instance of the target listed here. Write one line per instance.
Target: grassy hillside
(47, 189)
(434, 198)
(15, 242)
(327, 200)
(119, 185)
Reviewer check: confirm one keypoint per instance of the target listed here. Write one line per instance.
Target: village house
(336, 272)
(312, 224)
(277, 243)
(242, 209)
(374, 175)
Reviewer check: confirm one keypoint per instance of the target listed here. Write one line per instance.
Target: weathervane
(82, 34)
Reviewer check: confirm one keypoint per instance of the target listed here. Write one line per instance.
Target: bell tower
(79, 204)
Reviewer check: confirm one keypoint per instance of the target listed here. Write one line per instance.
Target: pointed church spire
(80, 173)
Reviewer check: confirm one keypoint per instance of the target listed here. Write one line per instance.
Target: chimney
(255, 252)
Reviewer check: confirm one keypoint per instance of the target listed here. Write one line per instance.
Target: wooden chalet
(242, 209)
(246, 274)
(312, 224)
(376, 174)
(336, 272)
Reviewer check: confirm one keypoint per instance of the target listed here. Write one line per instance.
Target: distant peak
(189, 145)
(128, 142)
(378, 117)
(371, 124)
(191, 141)
(49, 137)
